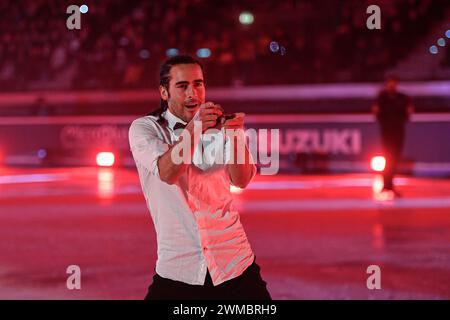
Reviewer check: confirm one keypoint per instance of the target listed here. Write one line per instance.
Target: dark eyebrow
(187, 82)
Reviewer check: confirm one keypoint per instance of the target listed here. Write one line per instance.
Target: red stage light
(105, 159)
(378, 163)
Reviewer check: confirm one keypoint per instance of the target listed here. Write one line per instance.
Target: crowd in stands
(121, 43)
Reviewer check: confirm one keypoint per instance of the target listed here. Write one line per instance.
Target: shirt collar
(172, 119)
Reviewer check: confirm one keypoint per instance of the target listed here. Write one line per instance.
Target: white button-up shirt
(197, 227)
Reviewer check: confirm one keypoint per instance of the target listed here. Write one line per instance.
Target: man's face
(391, 85)
(186, 90)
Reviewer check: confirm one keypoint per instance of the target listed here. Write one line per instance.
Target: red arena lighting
(105, 159)
(378, 163)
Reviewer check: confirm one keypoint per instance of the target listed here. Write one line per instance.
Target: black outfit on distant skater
(392, 116)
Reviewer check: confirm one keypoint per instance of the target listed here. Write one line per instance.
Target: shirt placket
(209, 259)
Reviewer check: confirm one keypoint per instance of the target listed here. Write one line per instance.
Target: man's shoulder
(148, 121)
(148, 125)
(145, 120)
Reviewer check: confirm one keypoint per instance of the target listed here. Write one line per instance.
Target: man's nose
(190, 92)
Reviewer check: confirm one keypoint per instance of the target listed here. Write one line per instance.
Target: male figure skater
(392, 109)
(203, 251)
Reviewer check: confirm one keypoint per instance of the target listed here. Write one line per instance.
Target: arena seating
(121, 42)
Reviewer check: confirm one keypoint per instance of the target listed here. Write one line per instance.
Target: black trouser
(392, 139)
(248, 286)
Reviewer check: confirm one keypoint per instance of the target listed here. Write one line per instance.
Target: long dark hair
(164, 78)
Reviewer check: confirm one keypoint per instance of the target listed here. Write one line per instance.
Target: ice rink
(314, 236)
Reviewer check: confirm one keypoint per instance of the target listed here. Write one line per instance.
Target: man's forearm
(240, 173)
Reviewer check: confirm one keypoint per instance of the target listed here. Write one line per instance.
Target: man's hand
(169, 171)
(235, 123)
(208, 114)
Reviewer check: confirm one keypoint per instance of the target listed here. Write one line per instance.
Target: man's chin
(190, 112)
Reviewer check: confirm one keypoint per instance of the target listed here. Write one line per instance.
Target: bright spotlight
(433, 49)
(246, 18)
(105, 159)
(172, 52)
(378, 163)
(203, 53)
(274, 46)
(84, 8)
